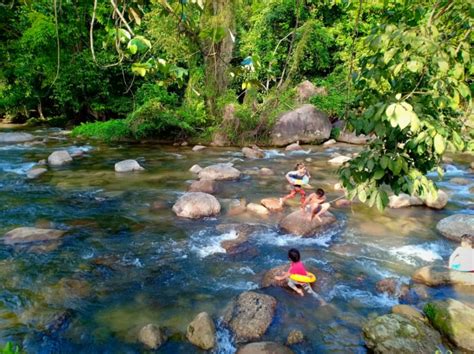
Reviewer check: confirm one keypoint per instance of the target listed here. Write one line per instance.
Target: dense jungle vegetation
(164, 69)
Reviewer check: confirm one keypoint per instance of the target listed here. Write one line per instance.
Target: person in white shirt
(462, 258)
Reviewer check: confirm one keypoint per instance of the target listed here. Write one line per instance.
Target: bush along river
(93, 260)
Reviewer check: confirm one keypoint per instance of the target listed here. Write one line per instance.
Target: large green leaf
(439, 144)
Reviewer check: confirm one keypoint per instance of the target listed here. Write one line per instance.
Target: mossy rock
(454, 320)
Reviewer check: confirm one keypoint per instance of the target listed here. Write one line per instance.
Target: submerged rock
(220, 171)
(250, 315)
(403, 200)
(205, 186)
(272, 204)
(295, 337)
(388, 285)
(253, 152)
(398, 334)
(454, 226)
(8, 138)
(264, 348)
(202, 332)
(59, 158)
(195, 205)
(305, 124)
(243, 232)
(435, 276)
(195, 169)
(151, 336)
(454, 320)
(298, 223)
(35, 172)
(128, 166)
(31, 234)
(198, 148)
(264, 171)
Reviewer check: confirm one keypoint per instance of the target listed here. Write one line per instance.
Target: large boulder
(403, 200)
(205, 186)
(195, 205)
(220, 172)
(394, 333)
(454, 320)
(59, 158)
(436, 276)
(305, 124)
(253, 152)
(202, 331)
(454, 226)
(128, 166)
(250, 315)
(439, 202)
(151, 336)
(31, 234)
(298, 223)
(264, 348)
(8, 138)
(305, 90)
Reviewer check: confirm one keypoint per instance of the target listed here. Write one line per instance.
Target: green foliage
(9, 348)
(413, 91)
(111, 130)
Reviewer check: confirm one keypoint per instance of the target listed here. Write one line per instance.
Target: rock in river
(59, 158)
(439, 202)
(398, 334)
(435, 276)
(195, 205)
(220, 171)
(128, 166)
(305, 124)
(257, 209)
(253, 152)
(205, 186)
(31, 234)
(454, 320)
(35, 172)
(403, 200)
(272, 204)
(8, 138)
(298, 223)
(454, 226)
(264, 348)
(202, 331)
(151, 336)
(250, 315)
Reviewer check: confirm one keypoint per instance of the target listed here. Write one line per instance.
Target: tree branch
(119, 14)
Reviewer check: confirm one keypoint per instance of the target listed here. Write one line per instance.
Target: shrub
(112, 130)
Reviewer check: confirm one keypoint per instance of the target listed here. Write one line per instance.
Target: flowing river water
(124, 264)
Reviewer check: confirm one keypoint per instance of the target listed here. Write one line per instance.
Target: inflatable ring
(299, 182)
(309, 278)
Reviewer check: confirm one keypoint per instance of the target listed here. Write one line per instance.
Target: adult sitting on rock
(462, 258)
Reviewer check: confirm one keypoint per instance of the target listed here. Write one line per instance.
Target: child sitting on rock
(295, 179)
(315, 204)
(462, 258)
(297, 267)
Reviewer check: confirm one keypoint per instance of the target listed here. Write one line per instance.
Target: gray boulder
(454, 320)
(264, 348)
(305, 124)
(250, 315)
(59, 158)
(9, 138)
(454, 226)
(219, 172)
(394, 333)
(202, 332)
(403, 200)
(195, 205)
(31, 234)
(128, 166)
(298, 223)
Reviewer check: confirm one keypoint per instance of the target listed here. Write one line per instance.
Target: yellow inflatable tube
(309, 278)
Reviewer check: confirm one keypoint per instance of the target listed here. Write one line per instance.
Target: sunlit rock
(59, 158)
(220, 171)
(151, 336)
(294, 147)
(294, 337)
(453, 319)
(272, 204)
(409, 311)
(264, 348)
(257, 209)
(299, 223)
(395, 333)
(195, 169)
(454, 226)
(197, 148)
(195, 205)
(403, 200)
(202, 332)
(128, 166)
(339, 160)
(205, 186)
(249, 315)
(436, 276)
(31, 234)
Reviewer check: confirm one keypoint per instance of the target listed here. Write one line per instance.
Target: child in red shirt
(296, 267)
